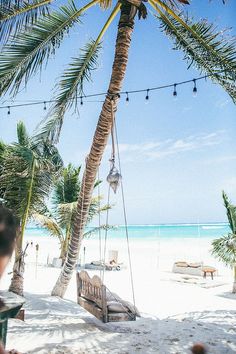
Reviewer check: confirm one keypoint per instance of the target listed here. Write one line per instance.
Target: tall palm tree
(26, 177)
(59, 220)
(29, 50)
(224, 248)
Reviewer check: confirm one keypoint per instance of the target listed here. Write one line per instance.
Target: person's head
(8, 232)
(199, 348)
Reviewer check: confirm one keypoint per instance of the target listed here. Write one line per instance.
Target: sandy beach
(176, 311)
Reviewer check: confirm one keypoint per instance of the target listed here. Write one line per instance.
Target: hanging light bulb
(9, 110)
(194, 88)
(175, 92)
(81, 100)
(114, 177)
(127, 98)
(147, 96)
(44, 106)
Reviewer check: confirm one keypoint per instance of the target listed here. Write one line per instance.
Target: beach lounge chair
(198, 269)
(95, 297)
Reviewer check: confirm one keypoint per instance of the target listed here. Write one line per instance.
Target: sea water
(152, 232)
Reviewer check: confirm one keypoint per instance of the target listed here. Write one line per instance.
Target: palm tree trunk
(103, 129)
(234, 283)
(17, 281)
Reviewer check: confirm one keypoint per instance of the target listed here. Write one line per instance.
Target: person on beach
(9, 226)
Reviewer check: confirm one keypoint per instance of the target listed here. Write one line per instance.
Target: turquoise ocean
(152, 232)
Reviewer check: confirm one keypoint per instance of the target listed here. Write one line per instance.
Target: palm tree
(224, 248)
(29, 50)
(59, 220)
(26, 176)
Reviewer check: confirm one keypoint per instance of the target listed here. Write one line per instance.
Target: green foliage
(19, 14)
(59, 220)
(29, 51)
(224, 248)
(204, 47)
(71, 83)
(27, 173)
(67, 187)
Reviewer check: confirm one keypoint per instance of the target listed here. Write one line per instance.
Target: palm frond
(224, 248)
(49, 223)
(17, 15)
(72, 81)
(105, 4)
(203, 47)
(67, 187)
(22, 134)
(95, 230)
(31, 49)
(231, 212)
(27, 167)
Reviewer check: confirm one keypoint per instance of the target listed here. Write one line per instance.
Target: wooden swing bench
(92, 296)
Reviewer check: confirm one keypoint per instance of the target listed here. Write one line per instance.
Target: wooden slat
(91, 308)
(119, 317)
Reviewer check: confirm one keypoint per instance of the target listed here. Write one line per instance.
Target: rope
(82, 196)
(106, 231)
(125, 217)
(99, 222)
(115, 137)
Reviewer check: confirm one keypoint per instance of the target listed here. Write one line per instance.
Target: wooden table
(12, 305)
(210, 270)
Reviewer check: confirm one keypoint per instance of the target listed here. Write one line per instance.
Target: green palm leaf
(29, 50)
(71, 84)
(224, 248)
(203, 47)
(72, 81)
(231, 212)
(17, 15)
(27, 168)
(49, 223)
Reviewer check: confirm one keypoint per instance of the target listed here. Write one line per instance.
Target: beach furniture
(210, 270)
(198, 269)
(96, 298)
(10, 307)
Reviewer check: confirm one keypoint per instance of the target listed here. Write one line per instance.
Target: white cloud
(160, 149)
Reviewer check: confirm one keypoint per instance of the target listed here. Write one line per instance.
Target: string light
(127, 93)
(9, 110)
(194, 87)
(175, 91)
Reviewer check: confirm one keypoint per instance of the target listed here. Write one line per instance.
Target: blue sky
(177, 156)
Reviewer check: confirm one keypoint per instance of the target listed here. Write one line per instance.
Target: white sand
(174, 314)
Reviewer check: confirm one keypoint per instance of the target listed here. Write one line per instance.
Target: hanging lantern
(114, 178)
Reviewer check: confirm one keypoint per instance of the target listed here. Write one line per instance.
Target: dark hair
(8, 231)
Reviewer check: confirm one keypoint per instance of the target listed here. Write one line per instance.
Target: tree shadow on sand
(58, 326)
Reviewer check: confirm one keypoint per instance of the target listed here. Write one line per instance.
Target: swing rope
(115, 144)
(125, 217)
(99, 221)
(106, 232)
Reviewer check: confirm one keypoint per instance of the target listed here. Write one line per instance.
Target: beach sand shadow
(59, 326)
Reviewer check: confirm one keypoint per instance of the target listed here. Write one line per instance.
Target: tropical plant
(27, 172)
(59, 219)
(29, 50)
(224, 248)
